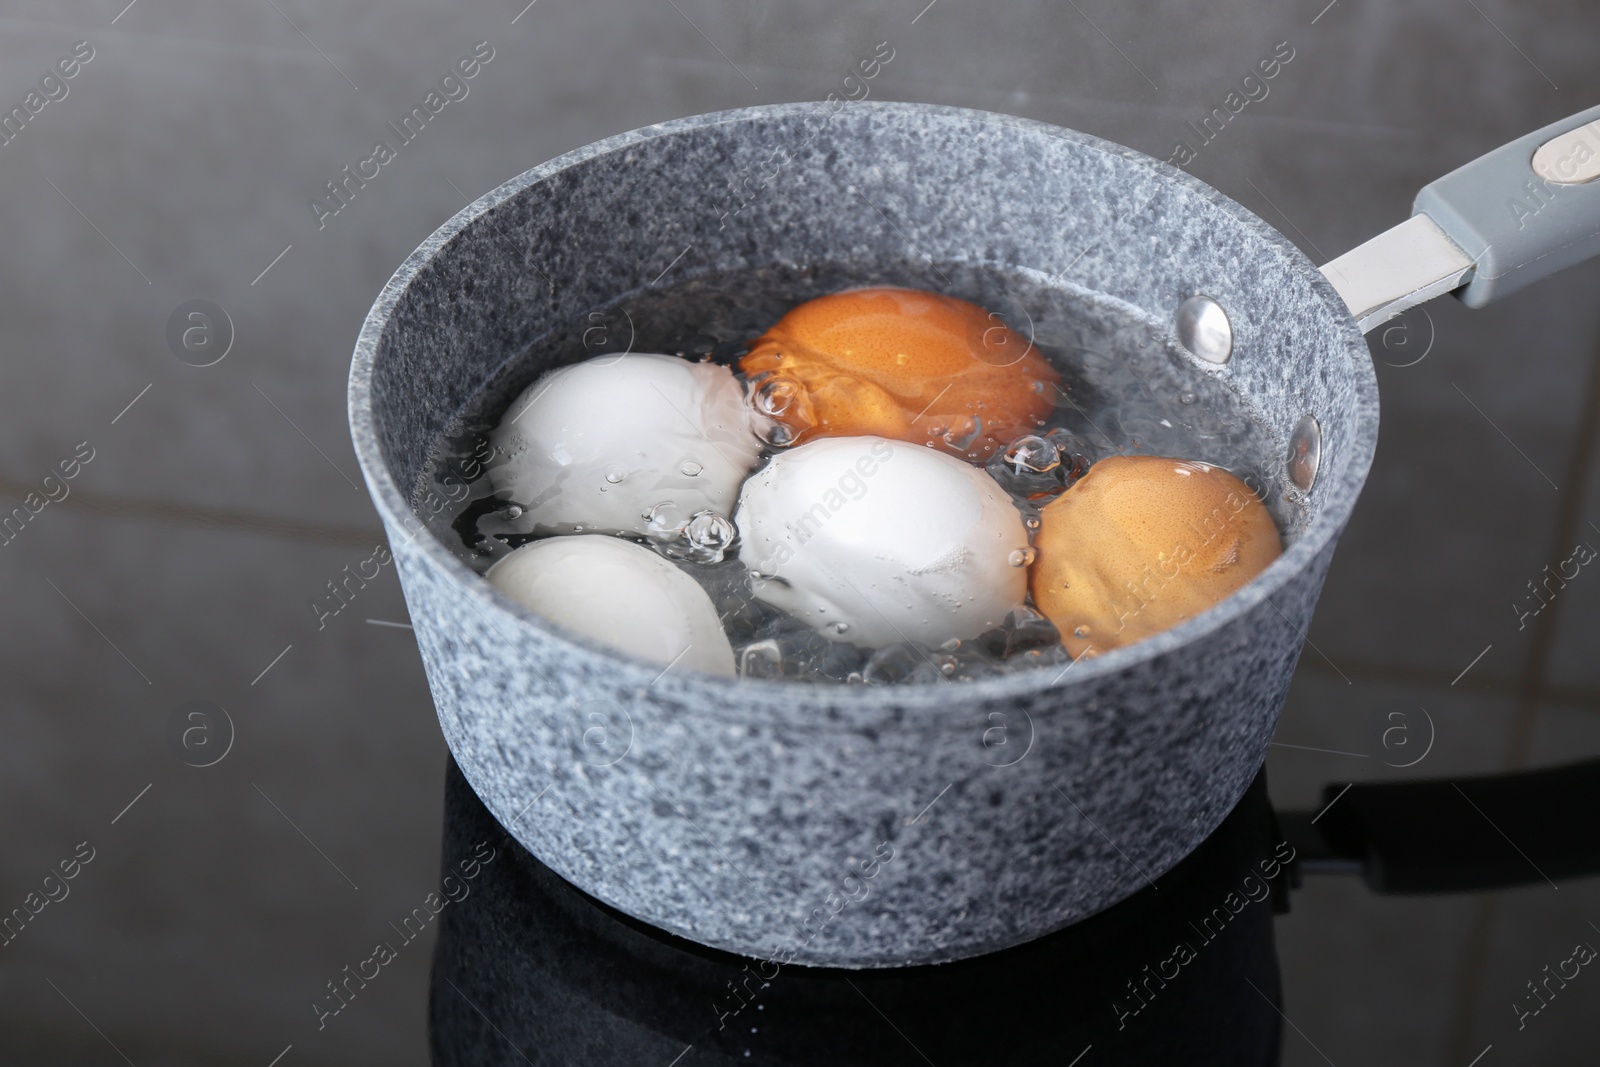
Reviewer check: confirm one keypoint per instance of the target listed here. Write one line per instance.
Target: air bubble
(705, 538)
(761, 659)
(785, 410)
(775, 396)
(1076, 455)
(710, 528)
(1032, 455)
(1035, 467)
(689, 469)
(664, 526)
(1021, 557)
(963, 431)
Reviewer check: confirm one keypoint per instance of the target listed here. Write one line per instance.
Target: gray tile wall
(179, 166)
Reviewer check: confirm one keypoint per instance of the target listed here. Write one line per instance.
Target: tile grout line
(1531, 691)
(206, 517)
(1474, 961)
(1423, 677)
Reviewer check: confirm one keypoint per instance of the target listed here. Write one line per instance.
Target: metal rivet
(1204, 330)
(1305, 453)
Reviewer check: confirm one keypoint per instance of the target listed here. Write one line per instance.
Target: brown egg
(1142, 543)
(902, 364)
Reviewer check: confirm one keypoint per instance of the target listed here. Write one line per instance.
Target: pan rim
(731, 696)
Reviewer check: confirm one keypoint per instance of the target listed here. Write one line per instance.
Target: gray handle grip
(1524, 211)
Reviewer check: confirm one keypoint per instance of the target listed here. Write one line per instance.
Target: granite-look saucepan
(856, 826)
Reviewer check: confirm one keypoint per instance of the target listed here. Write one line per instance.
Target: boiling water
(1126, 388)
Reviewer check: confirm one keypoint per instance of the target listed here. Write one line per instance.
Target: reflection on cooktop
(529, 970)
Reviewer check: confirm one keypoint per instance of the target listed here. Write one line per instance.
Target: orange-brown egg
(1142, 543)
(901, 364)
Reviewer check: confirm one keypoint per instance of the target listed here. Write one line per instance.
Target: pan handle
(1455, 835)
(1504, 221)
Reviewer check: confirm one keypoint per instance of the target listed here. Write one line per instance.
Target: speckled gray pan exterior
(851, 826)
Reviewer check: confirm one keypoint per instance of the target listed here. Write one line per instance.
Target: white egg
(597, 445)
(621, 594)
(876, 542)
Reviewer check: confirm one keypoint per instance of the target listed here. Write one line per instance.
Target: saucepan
(871, 826)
